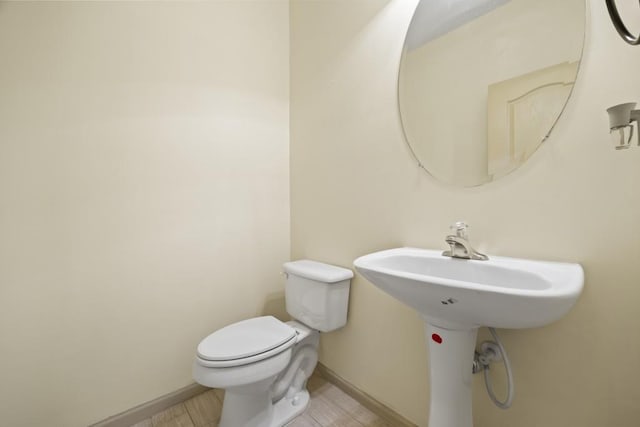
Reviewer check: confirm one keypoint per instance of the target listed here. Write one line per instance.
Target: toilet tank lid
(317, 271)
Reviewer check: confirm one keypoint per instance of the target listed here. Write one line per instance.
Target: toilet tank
(317, 294)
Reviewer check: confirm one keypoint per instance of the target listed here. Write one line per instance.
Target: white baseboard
(384, 412)
(147, 410)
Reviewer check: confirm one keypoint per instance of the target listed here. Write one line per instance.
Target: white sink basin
(456, 297)
(457, 293)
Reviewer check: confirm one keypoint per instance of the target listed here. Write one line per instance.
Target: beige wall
(144, 197)
(356, 189)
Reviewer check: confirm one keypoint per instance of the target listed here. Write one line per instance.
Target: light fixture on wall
(621, 118)
(621, 28)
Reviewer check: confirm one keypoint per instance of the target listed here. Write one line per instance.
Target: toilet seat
(245, 342)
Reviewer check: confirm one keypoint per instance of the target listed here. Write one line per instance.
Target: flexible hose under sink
(505, 404)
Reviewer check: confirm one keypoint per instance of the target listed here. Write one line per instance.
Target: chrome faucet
(459, 244)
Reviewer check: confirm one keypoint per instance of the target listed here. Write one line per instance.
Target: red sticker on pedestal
(437, 338)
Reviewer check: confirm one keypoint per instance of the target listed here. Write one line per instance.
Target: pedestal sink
(456, 297)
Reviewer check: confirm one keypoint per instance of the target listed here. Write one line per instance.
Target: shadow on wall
(275, 306)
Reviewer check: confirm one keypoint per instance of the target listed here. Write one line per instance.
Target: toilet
(262, 363)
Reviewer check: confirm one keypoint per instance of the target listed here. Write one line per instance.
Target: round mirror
(483, 82)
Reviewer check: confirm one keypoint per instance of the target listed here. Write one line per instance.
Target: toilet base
(285, 410)
(254, 411)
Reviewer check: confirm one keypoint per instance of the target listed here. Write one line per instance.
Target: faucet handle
(460, 227)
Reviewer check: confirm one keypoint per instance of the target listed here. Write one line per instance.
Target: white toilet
(263, 363)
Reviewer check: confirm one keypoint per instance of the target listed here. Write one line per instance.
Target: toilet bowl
(263, 363)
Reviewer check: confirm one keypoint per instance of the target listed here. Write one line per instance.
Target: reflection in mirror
(483, 82)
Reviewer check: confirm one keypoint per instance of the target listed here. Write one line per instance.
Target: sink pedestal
(450, 377)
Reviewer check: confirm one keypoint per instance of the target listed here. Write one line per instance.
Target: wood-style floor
(329, 407)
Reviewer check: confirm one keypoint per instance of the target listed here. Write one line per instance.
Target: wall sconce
(621, 118)
(620, 27)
